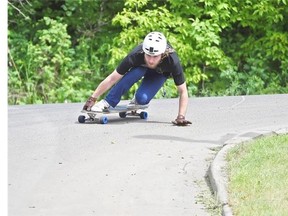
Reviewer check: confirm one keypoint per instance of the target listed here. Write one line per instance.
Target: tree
(58, 49)
(195, 38)
(61, 50)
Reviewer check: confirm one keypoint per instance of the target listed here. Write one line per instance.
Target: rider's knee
(142, 99)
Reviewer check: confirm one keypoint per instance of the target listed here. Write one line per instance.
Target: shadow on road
(174, 138)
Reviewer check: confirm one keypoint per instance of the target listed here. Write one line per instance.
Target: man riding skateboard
(153, 61)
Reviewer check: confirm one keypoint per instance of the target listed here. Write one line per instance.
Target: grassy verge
(258, 177)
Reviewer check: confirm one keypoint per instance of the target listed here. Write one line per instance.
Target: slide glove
(180, 121)
(89, 103)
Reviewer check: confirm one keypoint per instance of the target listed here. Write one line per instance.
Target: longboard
(123, 111)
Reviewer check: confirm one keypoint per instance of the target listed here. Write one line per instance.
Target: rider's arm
(183, 99)
(106, 84)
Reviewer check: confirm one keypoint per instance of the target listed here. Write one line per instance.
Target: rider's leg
(150, 85)
(127, 81)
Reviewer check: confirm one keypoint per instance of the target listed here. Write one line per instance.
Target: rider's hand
(89, 103)
(180, 121)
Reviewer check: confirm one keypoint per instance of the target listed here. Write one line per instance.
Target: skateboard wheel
(103, 120)
(143, 115)
(122, 114)
(81, 119)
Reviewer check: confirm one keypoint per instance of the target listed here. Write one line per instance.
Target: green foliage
(46, 63)
(61, 50)
(258, 46)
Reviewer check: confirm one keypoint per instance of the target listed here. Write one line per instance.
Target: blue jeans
(151, 83)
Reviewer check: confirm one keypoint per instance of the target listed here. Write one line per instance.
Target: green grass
(258, 177)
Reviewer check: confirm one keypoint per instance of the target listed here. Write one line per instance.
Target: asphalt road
(59, 167)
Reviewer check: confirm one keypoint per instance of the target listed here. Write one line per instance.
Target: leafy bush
(61, 50)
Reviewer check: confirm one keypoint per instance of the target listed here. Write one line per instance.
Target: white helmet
(154, 44)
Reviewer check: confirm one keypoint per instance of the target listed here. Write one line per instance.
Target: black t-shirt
(168, 66)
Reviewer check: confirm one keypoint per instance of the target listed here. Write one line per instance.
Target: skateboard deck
(123, 110)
